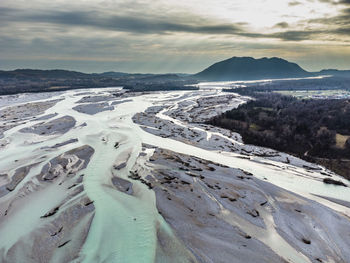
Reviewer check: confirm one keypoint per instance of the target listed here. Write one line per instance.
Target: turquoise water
(124, 228)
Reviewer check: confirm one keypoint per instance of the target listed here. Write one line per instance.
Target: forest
(314, 130)
(318, 84)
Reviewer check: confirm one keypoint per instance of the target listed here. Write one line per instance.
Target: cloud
(162, 35)
(294, 35)
(282, 25)
(336, 2)
(137, 24)
(294, 3)
(143, 24)
(337, 25)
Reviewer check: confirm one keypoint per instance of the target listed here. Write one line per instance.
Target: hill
(33, 80)
(335, 72)
(36, 73)
(248, 68)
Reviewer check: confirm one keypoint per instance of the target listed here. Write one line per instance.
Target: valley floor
(101, 175)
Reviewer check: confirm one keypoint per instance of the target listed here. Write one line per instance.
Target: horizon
(164, 73)
(171, 36)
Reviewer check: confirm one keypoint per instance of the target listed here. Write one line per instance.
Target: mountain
(248, 68)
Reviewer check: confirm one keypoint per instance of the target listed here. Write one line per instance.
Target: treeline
(306, 128)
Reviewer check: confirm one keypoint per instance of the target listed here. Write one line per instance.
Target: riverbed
(67, 193)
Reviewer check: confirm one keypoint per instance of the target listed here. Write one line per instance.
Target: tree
(325, 137)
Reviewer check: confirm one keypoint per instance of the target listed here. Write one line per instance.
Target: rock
(120, 166)
(247, 173)
(334, 182)
(64, 243)
(59, 231)
(193, 174)
(72, 186)
(134, 176)
(306, 241)
(254, 213)
(264, 203)
(51, 212)
(89, 203)
(311, 168)
(185, 182)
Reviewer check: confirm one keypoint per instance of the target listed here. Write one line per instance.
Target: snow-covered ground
(101, 175)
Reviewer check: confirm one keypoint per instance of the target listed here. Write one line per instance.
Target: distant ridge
(112, 74)
(38, 73)
(235, 68)
(335, 72)
(68, 74)
(248, 68)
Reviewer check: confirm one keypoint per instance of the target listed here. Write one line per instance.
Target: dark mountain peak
(241, 58)
(248, 68)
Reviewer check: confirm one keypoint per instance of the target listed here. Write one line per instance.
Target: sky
(162, 36)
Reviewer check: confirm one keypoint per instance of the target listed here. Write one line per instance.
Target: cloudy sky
(171, 35)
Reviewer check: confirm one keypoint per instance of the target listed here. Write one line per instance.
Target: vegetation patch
(341, 141)
(314, 130)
